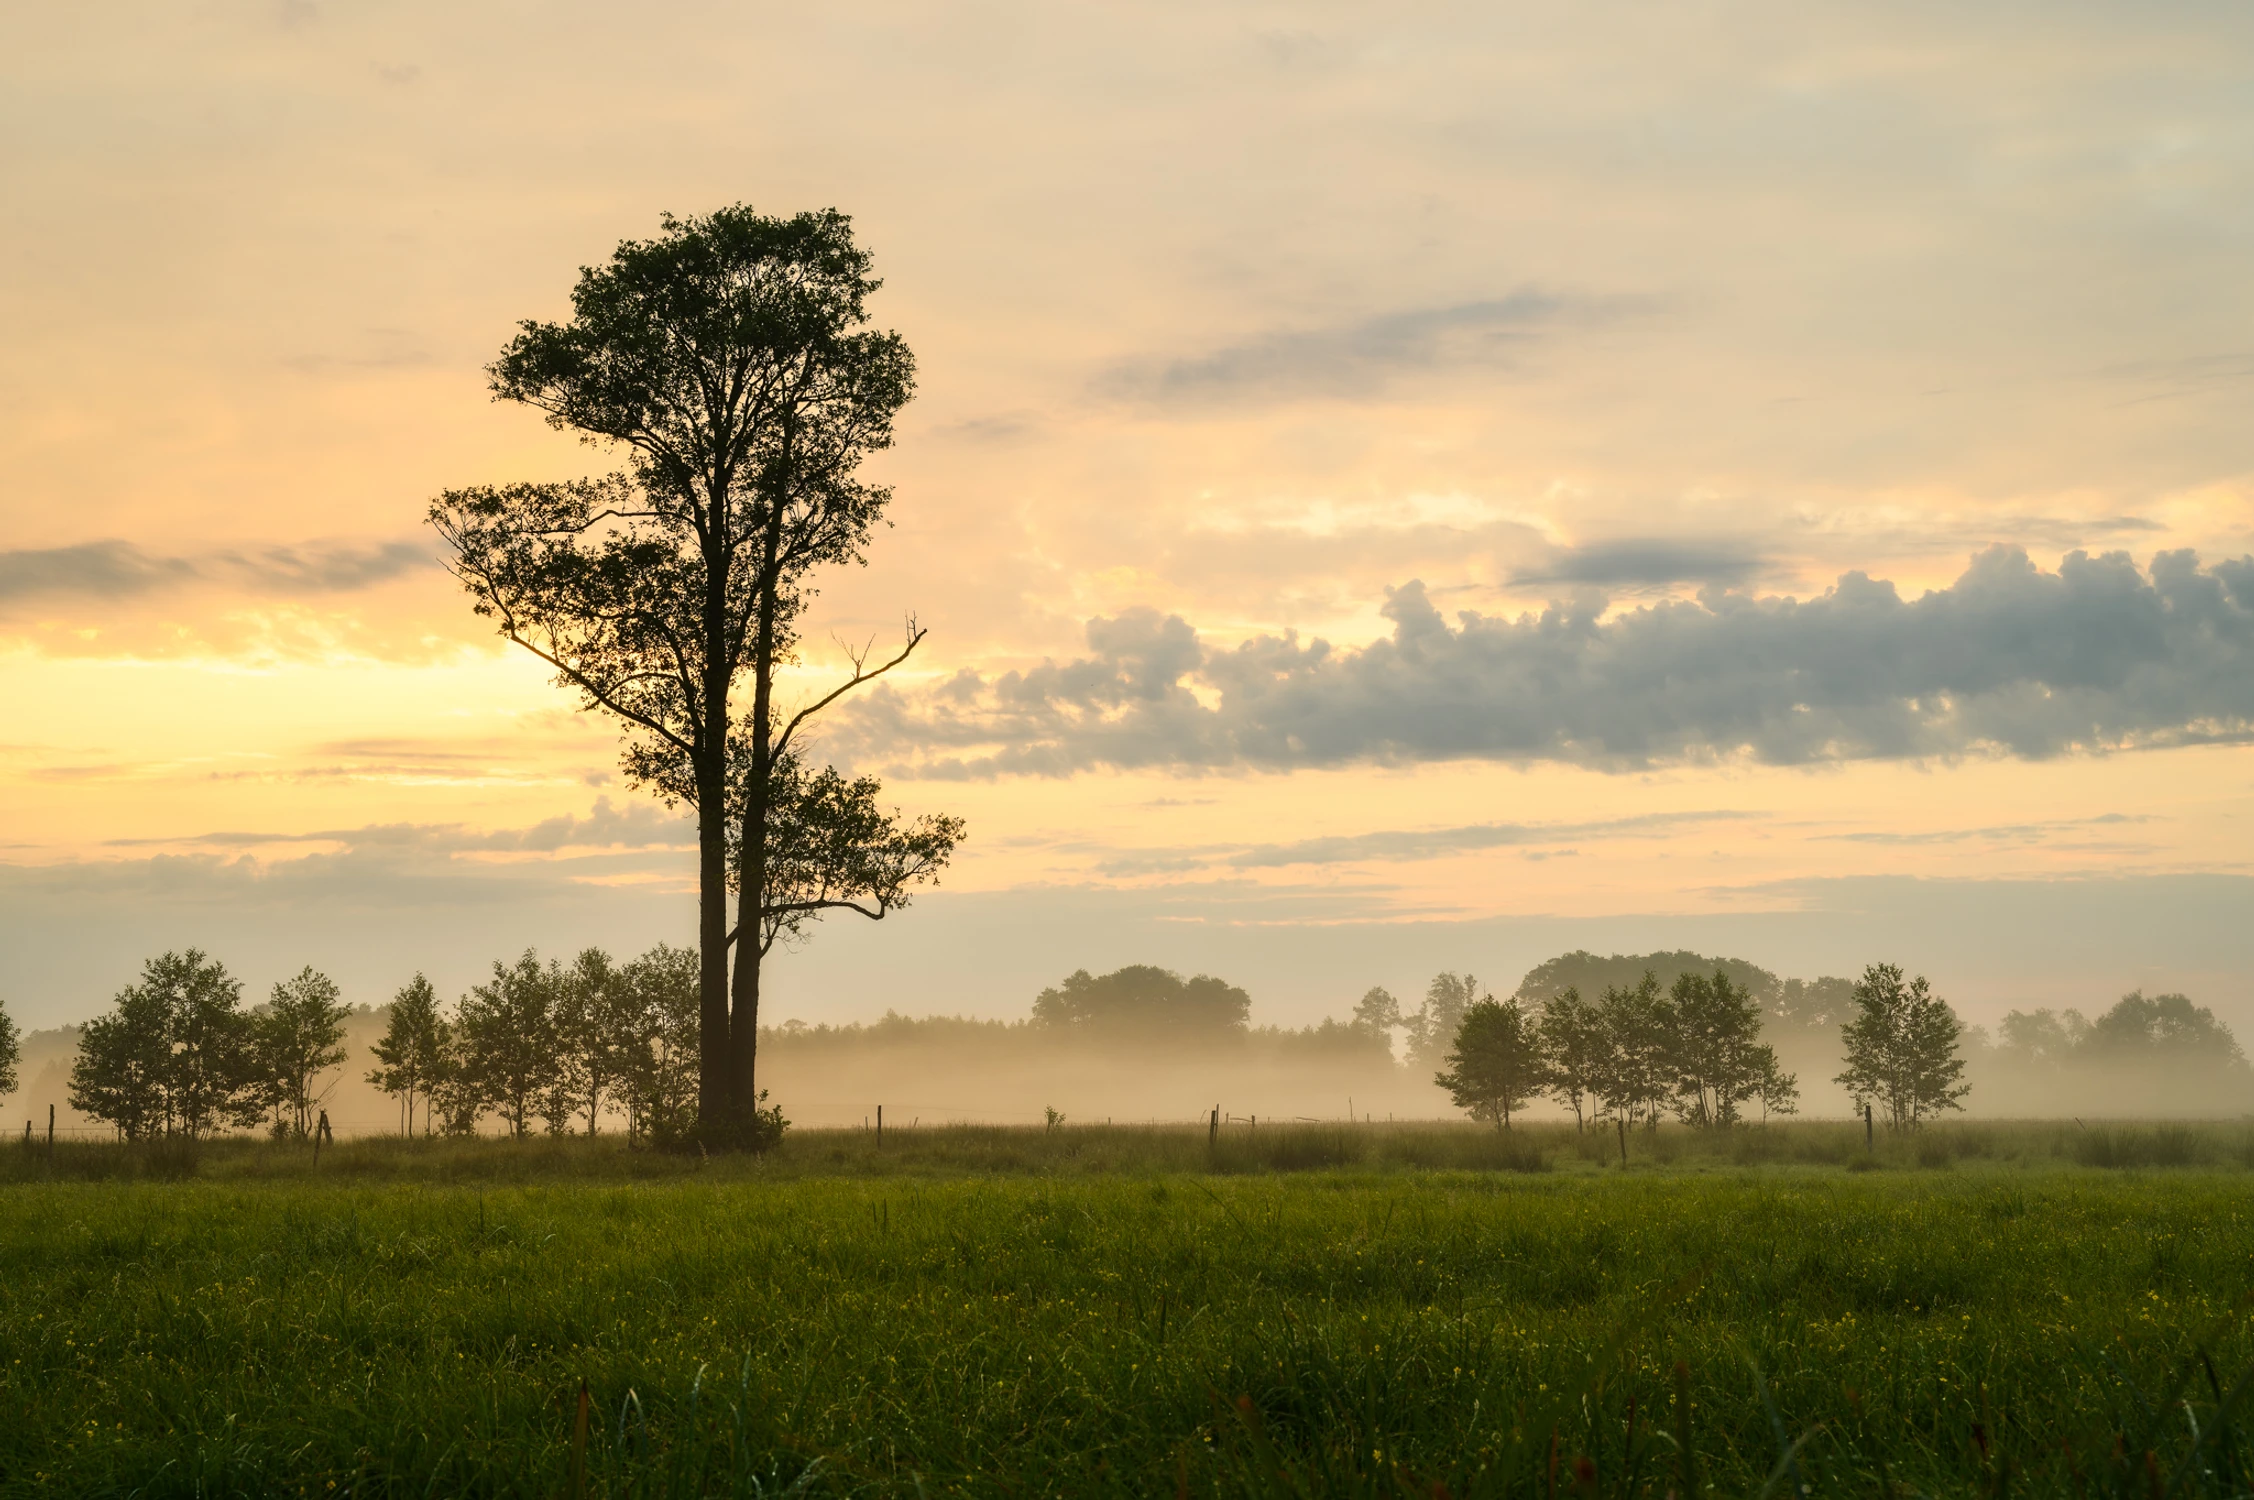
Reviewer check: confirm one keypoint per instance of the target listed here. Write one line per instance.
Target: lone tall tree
(730, 360)
(1496, 1064)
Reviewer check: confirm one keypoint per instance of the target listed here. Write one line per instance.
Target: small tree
(1903, 1048)
(595, 1028)
(410, 1050)
(11, 1053)
(1574, 1041)
(296, 1037)
(658, 1038)
(1377, 1011)
(1432, 1030)
(1779, 1091)
(507, 1038)
(1637, 1074)
(174, 1057)
(1719, 1058)
(1496, 1064)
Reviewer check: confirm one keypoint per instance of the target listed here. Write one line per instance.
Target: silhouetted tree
(1379, 1012)
(175, 1056)
(2164, 1028)
(1144, 1003)
(11, 1052)
(1432, 1030)
(1496, 1063)
(1902, 1048)
(295, 1037)
(1577, 1047)
(411, 1050)
(731, 359)
(505, 1030)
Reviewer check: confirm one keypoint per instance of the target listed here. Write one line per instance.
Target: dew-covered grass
(1014, 1313)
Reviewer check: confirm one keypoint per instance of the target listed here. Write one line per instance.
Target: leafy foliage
(1144, 1003)
(730, 359)
(11, 1052)
(412, 1050)
(1903, 1050)
(505, 1044)
(176, 1056)
(297, 1036)
(1496, 1064)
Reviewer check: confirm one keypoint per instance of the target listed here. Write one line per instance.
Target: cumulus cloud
(117, 570)
(1354, 358)
(2009, 659)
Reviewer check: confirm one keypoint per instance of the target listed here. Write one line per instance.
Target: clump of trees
(1142, 1002)
(1694, 1049)
(552, 1046)
(178, 1055)
(2164, 1030)
(538, 1045)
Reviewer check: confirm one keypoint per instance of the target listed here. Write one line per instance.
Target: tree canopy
(1903, 1048)
(1144, 1002)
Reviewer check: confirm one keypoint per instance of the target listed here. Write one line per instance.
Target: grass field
(1317, 1310)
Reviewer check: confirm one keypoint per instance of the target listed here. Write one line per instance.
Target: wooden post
(1870, 1142)
(50, 1132)
(1213, 1129)
(880, 1127)
(1622, 1122)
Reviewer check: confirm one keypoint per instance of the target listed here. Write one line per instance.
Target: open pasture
(1411, 1311)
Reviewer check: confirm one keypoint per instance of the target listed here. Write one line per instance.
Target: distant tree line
(2163, 1030)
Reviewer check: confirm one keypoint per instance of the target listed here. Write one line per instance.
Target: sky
(1390, 488)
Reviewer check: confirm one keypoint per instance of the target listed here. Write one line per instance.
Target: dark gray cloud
(1648, 562)
(117, 570)
(2010, 659)
(1357, 358)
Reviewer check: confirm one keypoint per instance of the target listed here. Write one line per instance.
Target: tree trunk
(752, 888)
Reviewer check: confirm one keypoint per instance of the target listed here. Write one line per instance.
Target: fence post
(880, 1127)
(1622, 1122)
(50, 1132)
(1213, 1129)
(1869, 1140)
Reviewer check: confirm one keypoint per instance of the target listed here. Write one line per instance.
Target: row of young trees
(1695, 1051)
(1635, 1054)
(561, 1044)
(179, 1055)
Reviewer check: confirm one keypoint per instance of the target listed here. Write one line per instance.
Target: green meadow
(1313, 1310)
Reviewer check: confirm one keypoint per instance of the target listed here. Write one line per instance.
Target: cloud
(2011, 660)
(1647, 561)
(1398, 845)
(117, 570)
(638, 825)
(1357, 358)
